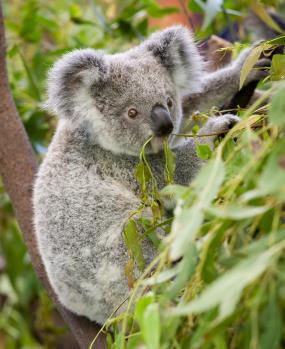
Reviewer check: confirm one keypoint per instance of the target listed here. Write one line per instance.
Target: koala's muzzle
(161, 121)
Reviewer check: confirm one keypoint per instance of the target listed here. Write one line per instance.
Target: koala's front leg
(187, 162)
(216, 126)
(220, 86)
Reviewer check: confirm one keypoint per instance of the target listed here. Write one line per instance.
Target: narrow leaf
(151, 326)
(260, 10)
(236, 212)
(185, 228)
(226, 291)
(203, 151)
(278, 67)
(277, 108)
(249, 64)
(132, 242)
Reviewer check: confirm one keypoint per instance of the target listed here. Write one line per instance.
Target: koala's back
(78, 218)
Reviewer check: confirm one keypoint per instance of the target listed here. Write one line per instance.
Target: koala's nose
(161, 121)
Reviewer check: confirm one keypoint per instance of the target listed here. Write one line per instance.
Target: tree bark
(18, 167)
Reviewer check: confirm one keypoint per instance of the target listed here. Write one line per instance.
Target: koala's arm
(220, 86)
(187, 161)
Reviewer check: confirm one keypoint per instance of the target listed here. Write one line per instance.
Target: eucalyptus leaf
(203, 151)
(209, 180)
(186, 269)
(278, 67)
(184, 230)
(132, 241)
(260, 10)
(151, 326)
(236, 212)
(226, 291)
(277, 107)
(271, 322)
(249, 63)
(141, 306)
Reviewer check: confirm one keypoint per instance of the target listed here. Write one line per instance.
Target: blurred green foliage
(38, 32)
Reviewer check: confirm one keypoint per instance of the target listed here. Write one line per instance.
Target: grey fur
(85, 189)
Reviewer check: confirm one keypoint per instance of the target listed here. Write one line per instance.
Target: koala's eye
(132, 113)
(169, 102)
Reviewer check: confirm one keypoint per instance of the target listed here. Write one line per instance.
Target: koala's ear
(175, 49)
(79, 68)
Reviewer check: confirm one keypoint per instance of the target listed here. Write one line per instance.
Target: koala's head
(123, 99)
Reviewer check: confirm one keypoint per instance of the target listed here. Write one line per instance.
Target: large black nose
(161, 121)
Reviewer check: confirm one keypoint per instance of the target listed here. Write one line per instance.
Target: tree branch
(18, 166)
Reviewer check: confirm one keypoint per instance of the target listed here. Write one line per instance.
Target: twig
(211, 134)
(186, 13)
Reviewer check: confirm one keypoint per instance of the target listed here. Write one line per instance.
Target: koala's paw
(220, 124)
(260, 71)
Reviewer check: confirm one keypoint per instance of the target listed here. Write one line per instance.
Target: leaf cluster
(217, 281)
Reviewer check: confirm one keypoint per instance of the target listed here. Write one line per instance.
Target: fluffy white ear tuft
(175, 49)
(77, 69)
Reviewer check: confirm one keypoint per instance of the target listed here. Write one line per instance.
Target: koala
(85, 190)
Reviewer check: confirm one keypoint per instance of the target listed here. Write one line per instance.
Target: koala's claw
(231, 120)
(220, 124)
(260, 70)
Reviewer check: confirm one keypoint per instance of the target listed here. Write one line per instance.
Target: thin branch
(191, 135)
(186, 14)
(18, 167)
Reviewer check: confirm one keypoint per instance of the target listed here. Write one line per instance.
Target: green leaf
(195, 6)
(203, 151)
(185, 228)
(279, 40)
(151, 326)
(174, 190)
(207, 266)
(277, 107)
(119, 342)
(132, 241)
(141, 306)
(162, 277)
(272, 178)
(154, 10)
(260, 10)
(169, 169)
(226, 291)
(278, 67)
(188, 221)
(209, 180)
(249, 63)
(272, 325)
(135, 341)
(235, 212)
(186, 270)
(34, 88)
(142, 175)
(75, 11)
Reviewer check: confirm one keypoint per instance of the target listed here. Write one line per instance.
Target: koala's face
(138, 100)
(124, 99)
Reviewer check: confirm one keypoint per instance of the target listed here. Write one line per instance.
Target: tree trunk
(18, 167)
